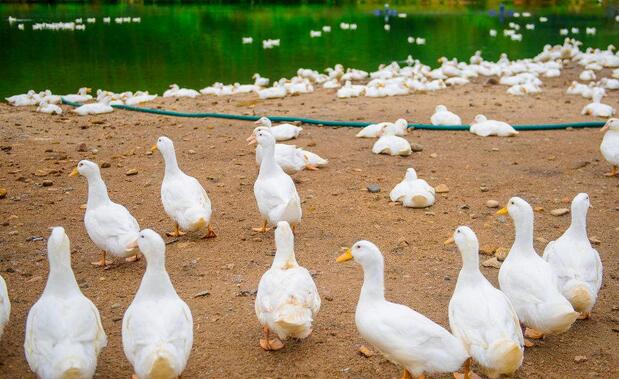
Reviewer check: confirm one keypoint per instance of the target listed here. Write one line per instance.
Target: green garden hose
(353, 124)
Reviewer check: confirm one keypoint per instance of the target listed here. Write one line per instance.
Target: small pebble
(441, 188)
(492, 262)
(416, 147)
(501, 253)
(559, 212)
(373, 188)
(594, 240)
(132, 171)
(363, 350)
(433, 155)
(82, 147)
(3, 193)
(105, 165)
(580, 358)
(47, 183)
(492, 204)
(483, 189)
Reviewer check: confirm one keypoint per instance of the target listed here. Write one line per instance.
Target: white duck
(110, 226)
(95, 108)
(400, 127)
(24, 99)
(259, 81)
(610, 144)
(403, 336)
(81, 96)
(287, 300)
(64, 335)
(183, 197)
(530, 282)
(176, 91)
(576, 263)
(44, 107)
(413, 192)
(350, 90)
(157, 329)
(390, 143)
(484, 127)
(281, 132)
(276, 194)
(277, 91)
(442, 116)
(481, 315)
(5, 305)
(290, 158)
(596, 108)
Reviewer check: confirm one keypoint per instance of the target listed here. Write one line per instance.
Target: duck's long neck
(373, 283)
(470, 264)
(578, 227)
(171, 164)
(156, 281)
(97, 191)
(268, 164)
(61, 280)
(524, 235)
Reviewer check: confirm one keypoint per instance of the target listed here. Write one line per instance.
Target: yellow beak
(88, 90)
(133, 245)
(604, 128)
(74, 172)
(502, 212)
(251, 140)
(346, 256)
(153, 148)
(449, 241)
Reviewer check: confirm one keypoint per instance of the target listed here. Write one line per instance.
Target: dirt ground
(546, 168)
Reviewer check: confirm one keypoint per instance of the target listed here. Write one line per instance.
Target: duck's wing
(111, 221)
(399, 191)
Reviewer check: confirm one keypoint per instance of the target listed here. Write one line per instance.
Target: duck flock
(546, 295)
(599, 75)
(77, 24)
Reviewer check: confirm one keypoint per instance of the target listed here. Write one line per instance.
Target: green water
(195, 45)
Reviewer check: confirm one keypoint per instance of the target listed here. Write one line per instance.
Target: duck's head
(363, 252)
(262, 136)
(164, 144)
(517, 208)
(411, 174)
(264, 121)
(465, 239)
(58, 242)
(480, 118)
(402, 123)
(611, 124)
(151, 244)
(85, 168)
(252, 138)
(440, 108)
(581, 204)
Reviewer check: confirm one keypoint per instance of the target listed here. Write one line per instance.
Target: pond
(195, 45)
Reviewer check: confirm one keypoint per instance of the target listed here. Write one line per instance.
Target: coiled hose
(353, 124)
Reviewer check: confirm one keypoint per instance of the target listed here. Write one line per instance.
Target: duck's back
(63, 334)
(182, 192)
(157, 334)
(409, 338)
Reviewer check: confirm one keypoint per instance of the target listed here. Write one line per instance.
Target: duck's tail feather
(503, 357)
(579, 295)
(294, 319)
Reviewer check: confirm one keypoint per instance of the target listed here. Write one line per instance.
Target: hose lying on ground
(353, 124)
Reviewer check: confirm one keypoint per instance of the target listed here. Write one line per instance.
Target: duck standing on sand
(610, 144)
(481, 315)
(276, 194)
(407, 338)
(110, 226)
(287, 300)
(157, 328)
(576, 262)
(183, 197)
(64, 335)
(530, 282)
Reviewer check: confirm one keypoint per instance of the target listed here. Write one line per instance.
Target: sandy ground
(545, 168)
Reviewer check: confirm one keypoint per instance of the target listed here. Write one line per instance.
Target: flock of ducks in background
(522, 77)
(77, 24)
(64, 334)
